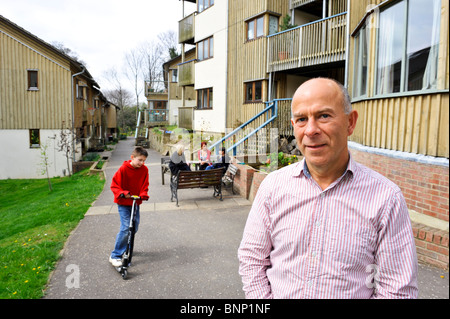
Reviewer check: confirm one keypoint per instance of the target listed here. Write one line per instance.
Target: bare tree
(61, 47)
(65, 144)
(152, 55)
(169, 43)
(118, 95)
(134, 62)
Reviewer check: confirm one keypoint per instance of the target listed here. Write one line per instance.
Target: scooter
(126, 257)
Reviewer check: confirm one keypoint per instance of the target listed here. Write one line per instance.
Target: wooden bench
(165, 160)
(197, 179)
(229, 176)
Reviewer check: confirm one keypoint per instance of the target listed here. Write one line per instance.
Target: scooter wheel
(124, 274)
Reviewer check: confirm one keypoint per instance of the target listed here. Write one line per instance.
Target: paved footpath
(186, 252)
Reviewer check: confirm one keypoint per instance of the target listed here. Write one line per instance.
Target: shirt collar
(302, 168)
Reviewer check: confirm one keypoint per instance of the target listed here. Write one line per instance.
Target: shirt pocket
(350, 244)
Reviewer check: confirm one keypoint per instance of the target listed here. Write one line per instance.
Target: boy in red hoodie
(130, 179)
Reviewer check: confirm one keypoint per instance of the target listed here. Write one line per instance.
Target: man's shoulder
(373, 177)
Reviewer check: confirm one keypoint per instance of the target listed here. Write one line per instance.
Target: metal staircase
(243, 141)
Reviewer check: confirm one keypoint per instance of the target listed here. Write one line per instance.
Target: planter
(283, 55)
(97, 167)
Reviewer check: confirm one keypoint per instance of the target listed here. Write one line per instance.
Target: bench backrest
(195, 179)
(165, 159)
(232, 169)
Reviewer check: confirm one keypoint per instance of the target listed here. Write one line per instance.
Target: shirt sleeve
(396, 259)
(255, 248)
(116, 185)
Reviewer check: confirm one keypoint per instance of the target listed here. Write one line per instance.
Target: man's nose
(312, 127)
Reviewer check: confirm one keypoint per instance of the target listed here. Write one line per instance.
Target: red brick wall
(424, 186)
(431, 245)
(243, 179)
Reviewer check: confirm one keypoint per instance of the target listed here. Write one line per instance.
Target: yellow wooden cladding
(413, 124)
(20, 108)
(247, 60)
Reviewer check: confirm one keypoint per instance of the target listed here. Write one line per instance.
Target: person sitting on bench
(223, 160)
(178, 161)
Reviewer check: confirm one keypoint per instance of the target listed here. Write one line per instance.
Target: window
(408, 38)
(35, 140)
(161, 105)
(175, 75)
(205, 98)
(255, 28)
(360, 73)
(253, 91)
(205, 49)
(33, 80)
(204, 4)
(273, 24)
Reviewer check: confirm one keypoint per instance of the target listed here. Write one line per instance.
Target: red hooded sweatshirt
(130, 180)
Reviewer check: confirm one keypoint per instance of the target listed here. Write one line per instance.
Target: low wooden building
(43, 94)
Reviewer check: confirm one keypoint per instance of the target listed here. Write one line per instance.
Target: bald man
(327, 227)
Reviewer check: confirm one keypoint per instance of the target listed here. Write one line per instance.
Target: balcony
(186, 29)
(158, 117)
(319, 42)
(298, 3)
(186, 73)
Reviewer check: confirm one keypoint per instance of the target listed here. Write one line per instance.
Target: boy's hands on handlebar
(128, 196)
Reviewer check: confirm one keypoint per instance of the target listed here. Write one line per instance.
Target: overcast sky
(99, 31)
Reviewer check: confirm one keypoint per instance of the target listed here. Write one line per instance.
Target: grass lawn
(34, 225)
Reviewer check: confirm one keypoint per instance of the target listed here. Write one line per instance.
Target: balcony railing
(158, 115)
(298, 3)
(186, 29)
(186, 73)
(320, 42)
(333, 6)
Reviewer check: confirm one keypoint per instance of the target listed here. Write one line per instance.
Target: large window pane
(273, 25)
(211, 47)
(360, 74)
(260, 27)
(200, 51)
(422, 48)
(249, 92)
(251, 30)
(258, 91)
(390, 48)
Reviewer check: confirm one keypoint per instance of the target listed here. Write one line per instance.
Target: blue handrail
(272, 106)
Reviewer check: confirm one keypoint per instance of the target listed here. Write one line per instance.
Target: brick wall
(431, 245)
(243, 180)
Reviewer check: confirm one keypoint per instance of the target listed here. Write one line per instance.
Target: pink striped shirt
(351, 240)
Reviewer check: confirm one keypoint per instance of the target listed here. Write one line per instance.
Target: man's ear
(352, 119)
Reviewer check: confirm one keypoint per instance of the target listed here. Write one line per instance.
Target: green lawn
(34, 225)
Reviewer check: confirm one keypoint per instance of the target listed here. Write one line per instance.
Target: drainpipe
(73, 113)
